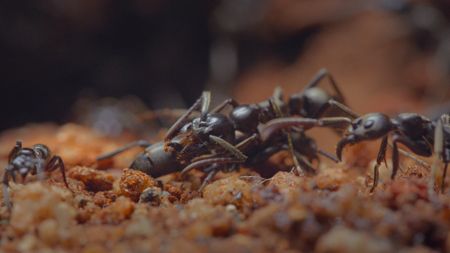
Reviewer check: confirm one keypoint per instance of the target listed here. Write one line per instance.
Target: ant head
(370, 126)
(41, 151)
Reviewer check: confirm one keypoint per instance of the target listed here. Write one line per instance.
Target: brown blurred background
(58, 57)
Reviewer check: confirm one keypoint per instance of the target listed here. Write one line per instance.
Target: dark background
(166, 52)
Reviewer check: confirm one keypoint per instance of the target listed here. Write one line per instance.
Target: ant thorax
(414, 126)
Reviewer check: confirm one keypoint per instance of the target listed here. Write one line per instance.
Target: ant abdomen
(156, 160)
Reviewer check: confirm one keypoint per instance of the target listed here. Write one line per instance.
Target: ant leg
(14, 151)
(342, 107)
(319, 76)
(277, 99)
(40, 170)
(444, 174)
(5, 181)
(276, 106)
(55, 163)
(268, 129)
(212, 172)
(205, 162)
(416, 147)
(304, 164)
(297, 165)
(380, 158)
(203, 157)
(411, 156)
(227, 146)
(221, 106)
(445, 152)
(334, 121)
(140, 143)
(179, 123)
(13, 176)
(276, 103)
(438, 154)
(333, 104)
(249, 140)
(421, 148)
(206, 102)
(327, 155)
(278, 93)
(395, 158)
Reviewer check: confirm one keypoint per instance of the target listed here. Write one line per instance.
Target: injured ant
(185, 141)
(202, 140)
(35, 160)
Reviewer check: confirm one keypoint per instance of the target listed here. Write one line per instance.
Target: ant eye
(368, 124)
(357, 123)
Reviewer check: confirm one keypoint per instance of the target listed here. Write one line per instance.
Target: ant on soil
(418, 133)
(35, 160)
(200, 142)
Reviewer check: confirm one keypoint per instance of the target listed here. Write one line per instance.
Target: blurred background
(61, 58)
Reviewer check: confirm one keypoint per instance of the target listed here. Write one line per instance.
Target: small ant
(34, 160)
(413, 130)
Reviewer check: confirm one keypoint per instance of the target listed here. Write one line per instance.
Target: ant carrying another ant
(214, 140)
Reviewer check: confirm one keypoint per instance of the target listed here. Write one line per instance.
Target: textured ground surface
(120, 210)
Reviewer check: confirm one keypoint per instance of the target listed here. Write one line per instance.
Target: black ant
(413, 130)
(184, 141)
(418, 133)
(197, 140)
(311, 102)
(35, 160)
